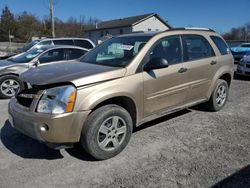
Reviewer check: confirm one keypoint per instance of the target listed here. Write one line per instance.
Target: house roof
(124, 22)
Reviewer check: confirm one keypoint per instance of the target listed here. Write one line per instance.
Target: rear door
(201, 63)
(165, 88)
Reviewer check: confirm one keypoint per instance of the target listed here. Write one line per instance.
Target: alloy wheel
(112, 133)
(10, 87)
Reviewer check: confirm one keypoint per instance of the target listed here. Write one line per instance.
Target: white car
(243, 67)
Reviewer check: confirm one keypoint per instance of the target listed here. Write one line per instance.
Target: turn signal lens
(71, 102)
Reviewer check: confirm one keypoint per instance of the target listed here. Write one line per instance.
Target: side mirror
(34, 64)
(155, 63)
(37, 63)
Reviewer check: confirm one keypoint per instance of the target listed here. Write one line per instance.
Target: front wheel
(9, 86)
(107, 131)
(219, 96)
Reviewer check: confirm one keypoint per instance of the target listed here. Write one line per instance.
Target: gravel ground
(191, 148)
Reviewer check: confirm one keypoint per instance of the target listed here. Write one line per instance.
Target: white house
(141, 23)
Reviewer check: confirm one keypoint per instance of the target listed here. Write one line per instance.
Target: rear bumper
(63, 128)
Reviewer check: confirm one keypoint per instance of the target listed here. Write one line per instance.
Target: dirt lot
(191, 148)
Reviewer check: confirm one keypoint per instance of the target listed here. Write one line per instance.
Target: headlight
(57, 100)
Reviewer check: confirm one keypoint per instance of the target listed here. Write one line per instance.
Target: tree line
(24, 26)
(240, 33)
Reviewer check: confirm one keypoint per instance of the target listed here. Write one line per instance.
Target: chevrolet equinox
(121, 84)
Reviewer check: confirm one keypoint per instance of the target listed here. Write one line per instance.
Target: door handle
(182, 70)
(213, 62)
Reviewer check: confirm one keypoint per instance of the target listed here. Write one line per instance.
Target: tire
(101, 136)
(219, 96)
(9, 86)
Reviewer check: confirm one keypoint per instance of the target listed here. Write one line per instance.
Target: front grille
(26, 97)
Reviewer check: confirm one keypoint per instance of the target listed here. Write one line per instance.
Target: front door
(165, 88)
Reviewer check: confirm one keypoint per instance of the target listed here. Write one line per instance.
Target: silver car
(243, 67)
(80, 42)
(11, 68)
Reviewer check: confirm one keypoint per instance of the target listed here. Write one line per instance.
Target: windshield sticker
(29, 56)
(126, 47)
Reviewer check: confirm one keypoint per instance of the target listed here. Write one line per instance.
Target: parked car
(122, 83)
(240, 51)
(11, 68)
(81, 42)
(3, 54)
(243, 67)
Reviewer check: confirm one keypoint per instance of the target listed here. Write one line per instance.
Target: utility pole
(52, 18)
(10, 42)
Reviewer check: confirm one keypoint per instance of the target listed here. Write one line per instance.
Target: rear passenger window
(168, 48)
(221, 45)
(52, 55)
(83, 43)
(196, 47)
(75, 53)
(63, 42)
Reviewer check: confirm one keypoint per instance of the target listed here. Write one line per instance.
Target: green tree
(7, 24)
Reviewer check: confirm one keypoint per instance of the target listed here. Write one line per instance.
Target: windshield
(27, 56)
(30, 45)
(116, 52)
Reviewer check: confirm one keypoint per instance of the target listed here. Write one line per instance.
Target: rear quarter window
(221, 45)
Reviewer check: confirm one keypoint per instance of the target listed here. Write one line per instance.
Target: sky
(220, 15)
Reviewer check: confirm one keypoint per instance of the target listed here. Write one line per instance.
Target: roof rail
(193, 28)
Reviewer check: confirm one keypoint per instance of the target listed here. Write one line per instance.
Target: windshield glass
(27, 56)
(30, 45)
(116, 52)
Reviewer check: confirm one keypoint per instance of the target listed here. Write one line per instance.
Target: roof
(140, 34)
(47, 47)
(125, 22)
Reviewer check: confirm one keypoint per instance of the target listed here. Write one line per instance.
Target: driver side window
(52, 55)
(168, 48)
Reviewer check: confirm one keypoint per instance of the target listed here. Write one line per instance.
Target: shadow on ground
(239, 179)
(24, 146)
(29, 148)
(161, 120)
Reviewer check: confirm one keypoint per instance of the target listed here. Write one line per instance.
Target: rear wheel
(9, 86)
(107, 131)
(219, 96)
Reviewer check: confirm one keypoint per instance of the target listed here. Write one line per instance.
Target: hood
(240, 49)
(78, 73)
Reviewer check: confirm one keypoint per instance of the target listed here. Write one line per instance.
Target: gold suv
(121, 84)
